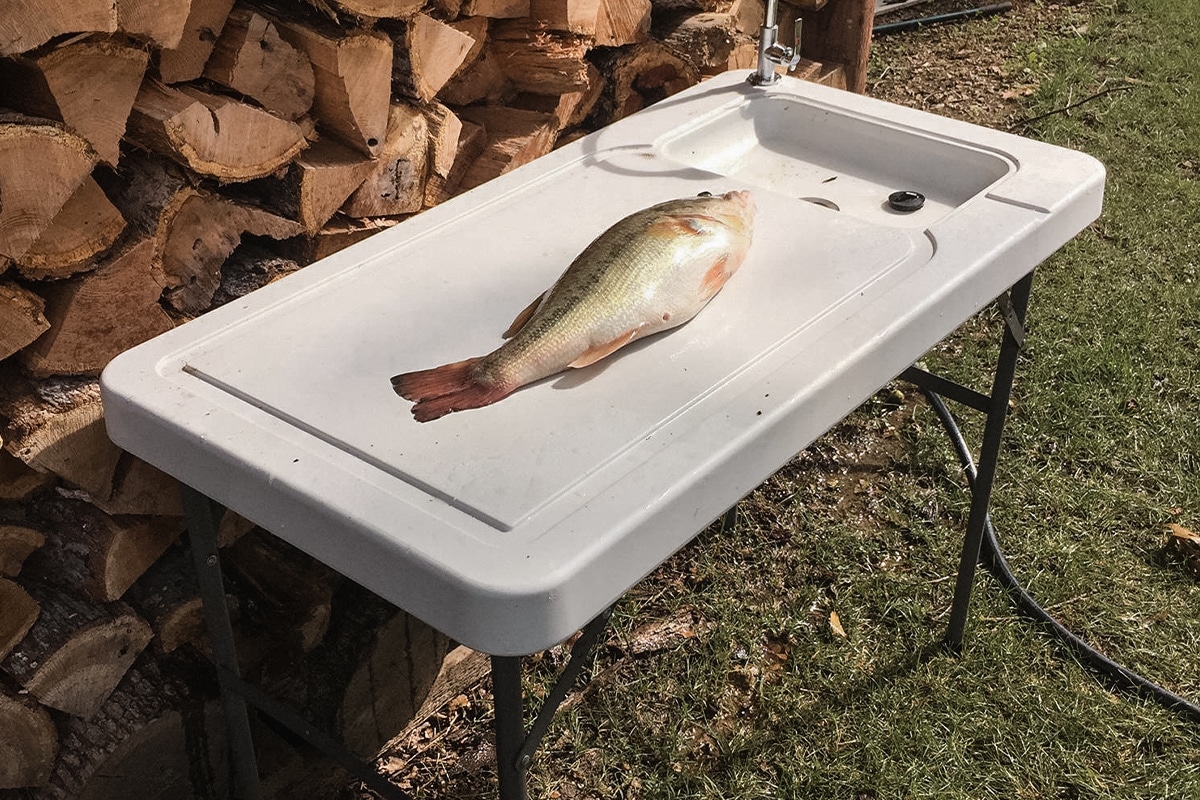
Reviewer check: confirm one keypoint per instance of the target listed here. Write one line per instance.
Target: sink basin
(847, 162)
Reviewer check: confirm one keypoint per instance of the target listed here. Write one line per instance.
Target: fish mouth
(742, 198)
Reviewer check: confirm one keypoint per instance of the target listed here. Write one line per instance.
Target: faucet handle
(784, 56)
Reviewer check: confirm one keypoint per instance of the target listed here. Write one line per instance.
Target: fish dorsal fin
(523, 318)
(599, 351)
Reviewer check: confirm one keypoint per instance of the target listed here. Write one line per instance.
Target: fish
(653, 270)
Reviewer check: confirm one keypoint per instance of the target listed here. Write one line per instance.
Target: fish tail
(450, 387)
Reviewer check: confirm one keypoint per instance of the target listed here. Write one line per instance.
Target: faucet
(770, 52)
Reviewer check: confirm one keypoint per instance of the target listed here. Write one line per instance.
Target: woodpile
(162, 157)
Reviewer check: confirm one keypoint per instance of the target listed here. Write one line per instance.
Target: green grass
(767, 700)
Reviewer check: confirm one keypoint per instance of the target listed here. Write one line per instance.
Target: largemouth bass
(653, 270)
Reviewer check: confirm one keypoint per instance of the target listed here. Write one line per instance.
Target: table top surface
(508, 527)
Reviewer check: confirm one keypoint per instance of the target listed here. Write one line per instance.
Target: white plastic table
(510, 527)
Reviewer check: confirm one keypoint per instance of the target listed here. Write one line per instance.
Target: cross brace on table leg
(1013, 306)
(515, 747)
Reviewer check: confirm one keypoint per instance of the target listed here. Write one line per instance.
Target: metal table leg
(1013, 306)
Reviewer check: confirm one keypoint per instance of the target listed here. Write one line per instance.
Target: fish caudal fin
(451, 387)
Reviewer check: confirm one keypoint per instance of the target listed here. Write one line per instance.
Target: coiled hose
(1117, 676)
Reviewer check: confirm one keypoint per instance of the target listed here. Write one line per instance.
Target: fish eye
(705, 194)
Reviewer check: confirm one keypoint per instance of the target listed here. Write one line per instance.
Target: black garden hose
(1110, 671)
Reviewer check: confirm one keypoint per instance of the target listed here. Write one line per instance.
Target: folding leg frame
(514, 745)
(1013, 306)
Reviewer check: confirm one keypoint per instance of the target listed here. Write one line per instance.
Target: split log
(26, 24)
(251, 58)
(16, 543)
(381, 9)
(608, 23)
(57, 425)
(352, 81)
(29, 744)
(427, 55)
(496, 9)
(484, 81)
(162, 22)
(445, 131)
(87, 225)
(840, 33)
(96, 316)
(211, 134)
(160, 734)
(397, 183)
(639, 76)
(461, 669)
(471, 143)
(140, 489)
(342, 232)
(569, 108)
(18, 613)
(22, 318)
(293, 591)
(477, 29)
(186, 61)
(710, 39)
(168, 597)
(195, 230)
(515, 137)
(17, 481)
(88, 85)
(316, 184)
(77, 651)
(41, 166)
(96, 553)
(537, 59)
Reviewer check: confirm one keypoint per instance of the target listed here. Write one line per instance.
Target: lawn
(797, 652)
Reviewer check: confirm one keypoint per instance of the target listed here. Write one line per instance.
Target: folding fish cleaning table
(510, 527)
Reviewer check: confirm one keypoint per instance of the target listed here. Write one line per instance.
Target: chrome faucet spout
(770, 52)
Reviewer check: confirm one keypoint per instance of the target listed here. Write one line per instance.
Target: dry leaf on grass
(835, 625)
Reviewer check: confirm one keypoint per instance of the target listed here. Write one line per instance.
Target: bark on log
(381, 9)
(22, 318)
(29, 743)
(427, 54)
(514, 136)
(16, 544)
(342, 232)
(211, 134)
(98, 554)
(352, 81)
(87, 225)
(251, 58)
(26, 24)
(96, 316)
(77, 651)
(41, 166)
(162, 22)
(186, 61)
(537, 59)
(57, 425)
(639, 76)
(710, 39)
(160, 735)
(569, 108)
(18, 613)
(89, 86)
(461, 669)
(396, 185)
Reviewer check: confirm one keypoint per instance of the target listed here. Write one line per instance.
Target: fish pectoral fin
(687, 224)
(715, 277)
(599, 351)
(526, 314)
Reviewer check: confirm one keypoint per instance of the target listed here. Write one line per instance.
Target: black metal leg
(988, 456)
(202, 530)
(511, 766)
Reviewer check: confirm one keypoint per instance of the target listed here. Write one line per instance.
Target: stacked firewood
(161, 157)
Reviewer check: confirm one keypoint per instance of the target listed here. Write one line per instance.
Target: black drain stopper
(906, 200)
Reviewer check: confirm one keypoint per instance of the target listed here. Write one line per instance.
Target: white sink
(509, 527)
(848, 162)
